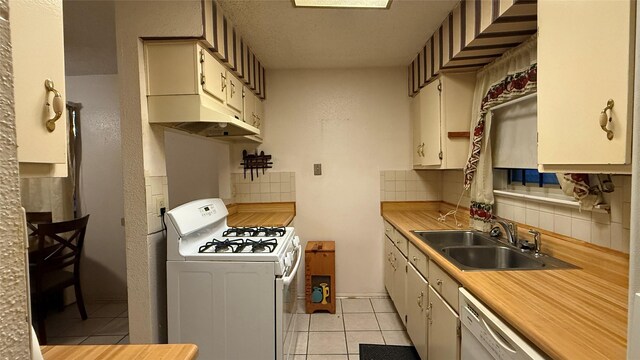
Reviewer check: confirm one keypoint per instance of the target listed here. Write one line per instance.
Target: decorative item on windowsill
(255, 162)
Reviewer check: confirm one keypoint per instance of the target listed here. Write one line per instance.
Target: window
(530, 177)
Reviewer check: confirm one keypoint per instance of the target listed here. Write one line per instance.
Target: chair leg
(41, 327)
(80, 299)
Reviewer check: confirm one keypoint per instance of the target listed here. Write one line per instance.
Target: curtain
(513, 75)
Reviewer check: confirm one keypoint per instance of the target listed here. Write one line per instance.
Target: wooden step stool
(320, 276)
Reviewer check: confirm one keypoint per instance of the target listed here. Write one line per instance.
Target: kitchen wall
(355, 122)
(103, 264)
(206, 173)
(14, 342)
(143, 154)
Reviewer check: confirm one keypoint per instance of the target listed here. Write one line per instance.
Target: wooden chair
(36, 218)
(59, 246)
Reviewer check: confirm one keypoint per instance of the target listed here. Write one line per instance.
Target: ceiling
(285, 37)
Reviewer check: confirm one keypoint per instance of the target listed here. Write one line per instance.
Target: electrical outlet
(159, 204)
(317, 169)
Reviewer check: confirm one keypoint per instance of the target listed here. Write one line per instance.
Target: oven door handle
(289, 278)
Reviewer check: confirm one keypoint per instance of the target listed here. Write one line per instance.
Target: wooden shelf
(458, 134)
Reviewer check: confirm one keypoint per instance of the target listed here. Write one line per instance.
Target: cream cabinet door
(417, 136)
(260, 116)
(388, 265)
(400, 283)
(234, 94)
(584, 60)
(38, 54)
(444, 325)
(214, 77)
(430, 123)
(249, 107)
(417, 303)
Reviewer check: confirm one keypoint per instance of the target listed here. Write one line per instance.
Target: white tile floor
(108, 323)
(320, 336)
(338, 336)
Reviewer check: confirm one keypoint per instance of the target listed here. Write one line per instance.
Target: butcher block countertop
(568, 313)
(121, 352)
(261, 214)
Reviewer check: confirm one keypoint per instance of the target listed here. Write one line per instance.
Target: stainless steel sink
(473, 250)
(490, 257)
(438, 239)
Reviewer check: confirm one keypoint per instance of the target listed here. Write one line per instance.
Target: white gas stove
(226, 283)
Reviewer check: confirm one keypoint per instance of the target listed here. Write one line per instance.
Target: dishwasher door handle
(498, 338)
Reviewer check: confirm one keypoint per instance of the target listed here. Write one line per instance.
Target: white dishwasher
(486, 337)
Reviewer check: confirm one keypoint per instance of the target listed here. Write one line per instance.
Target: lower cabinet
(443, 329)
(432, 324)
(399, 294)
(417, 310)
(388, 264)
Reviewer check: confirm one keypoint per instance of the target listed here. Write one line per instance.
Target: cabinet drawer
(444, 284)
(389, 231)
(401, 243)
(419, 260)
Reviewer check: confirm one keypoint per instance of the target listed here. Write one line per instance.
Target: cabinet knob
(415, 259)
(605, 118)
(438, 282)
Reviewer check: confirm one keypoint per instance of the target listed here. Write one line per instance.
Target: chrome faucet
(510, 228)
(537, 241)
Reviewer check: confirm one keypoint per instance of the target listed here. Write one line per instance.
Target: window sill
(541, 198)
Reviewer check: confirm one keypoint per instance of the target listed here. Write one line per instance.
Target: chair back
(36, 218)
(60, 244)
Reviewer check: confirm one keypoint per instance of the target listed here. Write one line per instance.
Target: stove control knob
(296, 241)
(287, 260)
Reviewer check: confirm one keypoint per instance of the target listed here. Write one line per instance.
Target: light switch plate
(317, 169)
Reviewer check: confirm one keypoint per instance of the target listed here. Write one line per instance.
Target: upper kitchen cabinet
(38, 56)
(253, 115)
(585, 62)
(190, 90)
(441, 120)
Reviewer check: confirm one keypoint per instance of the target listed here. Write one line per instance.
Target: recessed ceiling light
(355, 4)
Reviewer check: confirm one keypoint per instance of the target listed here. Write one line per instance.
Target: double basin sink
(474, 250)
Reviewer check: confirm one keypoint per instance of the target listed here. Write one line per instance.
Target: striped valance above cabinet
(233, 51)
(475, 33)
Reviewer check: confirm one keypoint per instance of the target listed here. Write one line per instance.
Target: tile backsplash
(410, 185)
(605, 229)
(270, 187)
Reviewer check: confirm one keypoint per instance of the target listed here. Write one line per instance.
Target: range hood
(196, 114)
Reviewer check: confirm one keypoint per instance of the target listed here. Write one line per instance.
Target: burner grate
(227, 245)
(260, 231)
(238, 245)
(262, 245)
